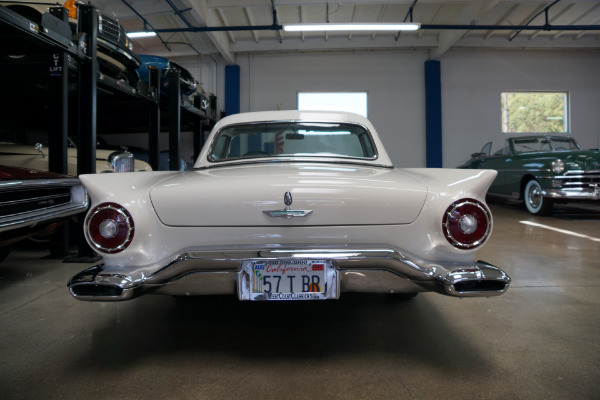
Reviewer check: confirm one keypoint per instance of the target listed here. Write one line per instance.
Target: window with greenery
(355, 102)
(535, 112)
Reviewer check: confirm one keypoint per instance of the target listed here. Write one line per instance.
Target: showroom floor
(541, 340)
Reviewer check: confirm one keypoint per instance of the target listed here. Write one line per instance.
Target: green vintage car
(541, 170)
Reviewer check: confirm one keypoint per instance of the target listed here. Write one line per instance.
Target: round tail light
(467, 224)
(109, 227)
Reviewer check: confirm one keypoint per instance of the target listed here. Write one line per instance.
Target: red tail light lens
(110, 228)
(467, 223)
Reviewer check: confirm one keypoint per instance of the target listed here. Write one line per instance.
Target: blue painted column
(232, 89)
(433, 114)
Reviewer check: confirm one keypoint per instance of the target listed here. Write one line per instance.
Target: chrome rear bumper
(360, 270)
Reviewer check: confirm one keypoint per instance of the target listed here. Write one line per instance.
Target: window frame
(566, 110)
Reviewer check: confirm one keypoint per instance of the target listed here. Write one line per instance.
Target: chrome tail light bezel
(474, 211)
(122, 221)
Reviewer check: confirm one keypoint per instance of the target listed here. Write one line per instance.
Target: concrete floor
(541, 340)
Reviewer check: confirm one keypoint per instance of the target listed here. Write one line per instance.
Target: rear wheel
(535, 202)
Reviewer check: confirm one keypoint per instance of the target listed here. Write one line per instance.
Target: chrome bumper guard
(573, 194)
(218, 272)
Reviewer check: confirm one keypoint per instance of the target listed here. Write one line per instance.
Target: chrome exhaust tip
(482, 280)
(91, 285)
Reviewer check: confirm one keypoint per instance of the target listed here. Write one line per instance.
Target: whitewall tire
(535, 202)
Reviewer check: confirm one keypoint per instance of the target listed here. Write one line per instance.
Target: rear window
(289, 139)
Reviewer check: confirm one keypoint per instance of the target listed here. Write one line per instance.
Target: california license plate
(295, 279)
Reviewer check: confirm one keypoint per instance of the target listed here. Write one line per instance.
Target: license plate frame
(288, 280)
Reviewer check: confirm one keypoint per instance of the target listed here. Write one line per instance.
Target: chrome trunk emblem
(286, 212)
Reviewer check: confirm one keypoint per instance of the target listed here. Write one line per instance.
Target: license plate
(288, 280)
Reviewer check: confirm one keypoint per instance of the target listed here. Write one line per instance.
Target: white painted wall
(394, 82)
(472, 81)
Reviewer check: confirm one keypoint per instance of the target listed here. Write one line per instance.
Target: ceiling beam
(576, 20)
(555, 17)
(433, 16)
(226, 23)
(584, 32)
(408, 43)
(503, 19)
(379, 18)
(208, 17)
(469, 14)
(250, 19)
(259, 3)
(353, 19)
(535, 12)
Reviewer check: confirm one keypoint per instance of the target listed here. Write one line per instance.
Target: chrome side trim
(459, 279)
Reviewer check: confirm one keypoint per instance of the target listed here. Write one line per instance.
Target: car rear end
(422, 238)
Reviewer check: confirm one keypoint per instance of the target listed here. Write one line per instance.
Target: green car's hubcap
(535, 196)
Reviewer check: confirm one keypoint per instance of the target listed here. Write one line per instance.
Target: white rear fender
(446, 186)
(456, 183)
(131, 191)
(123, 186)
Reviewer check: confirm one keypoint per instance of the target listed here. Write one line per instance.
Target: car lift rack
(60, 63)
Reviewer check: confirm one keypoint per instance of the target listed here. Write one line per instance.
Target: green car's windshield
(559, 144)
(541, 144)
(287, 139)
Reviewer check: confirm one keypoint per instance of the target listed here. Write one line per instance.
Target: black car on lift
(114, 48)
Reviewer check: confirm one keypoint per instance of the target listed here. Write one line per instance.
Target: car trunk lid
(318, 195)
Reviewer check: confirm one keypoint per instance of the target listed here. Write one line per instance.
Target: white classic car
(289, 205)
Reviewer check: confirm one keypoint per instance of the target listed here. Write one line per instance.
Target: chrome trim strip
(449, 278)
(287, 213)
(578, 175)
(583, 172)
(293, 160)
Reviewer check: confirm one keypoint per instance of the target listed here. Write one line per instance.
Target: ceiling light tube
(134, 35)
(400, 26)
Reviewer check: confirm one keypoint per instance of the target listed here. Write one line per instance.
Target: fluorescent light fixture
(395, 27)
(134, 35)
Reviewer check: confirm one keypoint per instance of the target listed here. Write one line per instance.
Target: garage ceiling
(446, 24)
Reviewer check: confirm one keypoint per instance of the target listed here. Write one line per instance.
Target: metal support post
(174, 120)
(88, 75)
(57, 136)
(198, 130)
(58, 107)
(154, 122)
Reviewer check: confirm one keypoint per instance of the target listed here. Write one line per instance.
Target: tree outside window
(535, 112)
